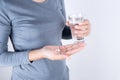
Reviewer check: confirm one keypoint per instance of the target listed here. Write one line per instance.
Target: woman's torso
(35, 25)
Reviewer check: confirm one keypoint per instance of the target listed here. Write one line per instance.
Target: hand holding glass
(74, 20)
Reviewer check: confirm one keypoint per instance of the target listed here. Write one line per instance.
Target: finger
(75, 46)
(81, 27)
(85, 27)
(81, 43)
(73, 51)
(67, 23)
(77, 32)
(69, 45)
(87, 33)
(85, 22)
(81, 33)
(62, 49)
(60, 57)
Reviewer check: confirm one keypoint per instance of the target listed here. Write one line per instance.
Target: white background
(100, 60)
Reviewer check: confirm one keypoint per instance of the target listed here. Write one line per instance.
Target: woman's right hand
(56, 52)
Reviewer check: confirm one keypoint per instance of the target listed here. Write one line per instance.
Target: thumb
(67, 23)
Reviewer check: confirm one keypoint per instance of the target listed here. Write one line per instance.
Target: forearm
(8, 58)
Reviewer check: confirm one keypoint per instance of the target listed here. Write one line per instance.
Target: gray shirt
(30, 26)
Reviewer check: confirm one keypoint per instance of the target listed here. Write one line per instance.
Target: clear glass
(74, 20)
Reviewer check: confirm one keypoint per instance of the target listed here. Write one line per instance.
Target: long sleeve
(66, 34)
(8, 58)
(30, 26)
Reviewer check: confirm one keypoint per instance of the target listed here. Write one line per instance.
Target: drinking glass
(74, 20)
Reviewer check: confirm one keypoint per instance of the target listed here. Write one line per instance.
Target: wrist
(35, 55)
(43, 53)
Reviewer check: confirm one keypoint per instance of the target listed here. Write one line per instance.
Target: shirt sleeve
(66, 34)
(9, 58)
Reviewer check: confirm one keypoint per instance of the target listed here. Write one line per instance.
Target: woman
(35, 29)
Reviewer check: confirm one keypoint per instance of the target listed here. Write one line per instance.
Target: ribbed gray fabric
(32, 25)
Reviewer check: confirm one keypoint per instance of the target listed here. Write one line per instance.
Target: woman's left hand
(82, 29)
